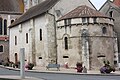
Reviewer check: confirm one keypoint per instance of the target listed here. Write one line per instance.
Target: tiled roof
(4, 38)
(35, 11)
(10, 5)
(117, 2)
(83, 11)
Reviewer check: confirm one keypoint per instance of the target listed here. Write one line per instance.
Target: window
(5, 27)
(87, 20)
(83, 20)
(104, 30)
(0, 26)
(65, 57)
(26, 37)
(58, 13)
(12, 21)
(66, 43)
(119, 58)
(67, 21)
(95, 20)
(111, 13)
(15, 40)
(40, 34)
(1, 48)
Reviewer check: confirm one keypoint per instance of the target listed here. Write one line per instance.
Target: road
(53, 76)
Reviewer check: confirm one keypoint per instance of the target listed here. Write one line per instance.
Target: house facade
(112, 9)
(38, 29)
(10, 10)
(29, 3)
(37, 32)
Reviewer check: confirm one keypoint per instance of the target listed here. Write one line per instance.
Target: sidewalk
(64, 71)
(70, 71)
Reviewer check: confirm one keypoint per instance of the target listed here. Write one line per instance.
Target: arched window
(16, 57)
(111, 13)
(12, 21)
(40, 34)
(1, 48)
(0, 26)
(5, 27)
(104, 30)
(66, 43)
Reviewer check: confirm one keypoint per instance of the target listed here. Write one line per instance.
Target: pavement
(63, 70)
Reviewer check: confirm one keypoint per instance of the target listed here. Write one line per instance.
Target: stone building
(85, 35)
(35, 31)
(112, 9)
(9, 11)
(30, 3)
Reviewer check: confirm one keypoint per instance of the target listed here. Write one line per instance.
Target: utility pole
(85, 52)
(22, 63)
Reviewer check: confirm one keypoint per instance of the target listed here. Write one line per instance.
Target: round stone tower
(85, 35)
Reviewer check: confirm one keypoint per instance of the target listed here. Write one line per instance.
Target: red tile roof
(11, 5)
(4, 38)
(117, 2)
(83, 11)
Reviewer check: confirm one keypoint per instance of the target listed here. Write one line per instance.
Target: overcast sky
(98, 3)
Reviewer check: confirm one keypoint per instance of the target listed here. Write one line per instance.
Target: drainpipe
(55, 35)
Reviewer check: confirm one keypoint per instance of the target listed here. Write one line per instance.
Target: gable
(63, 6)
(35, 11)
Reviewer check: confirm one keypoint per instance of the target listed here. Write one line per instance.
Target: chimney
(117, 2)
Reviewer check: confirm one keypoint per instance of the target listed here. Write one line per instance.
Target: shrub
(107, 68)
(29, 66)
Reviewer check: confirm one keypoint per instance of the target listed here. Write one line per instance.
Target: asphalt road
(54, 76)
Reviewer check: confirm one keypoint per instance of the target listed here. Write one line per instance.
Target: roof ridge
(82, 11)
(35, 11)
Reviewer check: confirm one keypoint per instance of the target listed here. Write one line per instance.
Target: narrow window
(111, 13)
(83, 20)
(15, 40)
(0, 26)
(1, 48)
(69, 21)
(88, 20)
(65, 22)
(66, 43)
(95, 20)
(12, 21)
(26, 37)
(119, 58)
(104, 30)
(5, 27)
(40, 34)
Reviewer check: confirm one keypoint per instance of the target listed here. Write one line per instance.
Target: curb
(32, 71)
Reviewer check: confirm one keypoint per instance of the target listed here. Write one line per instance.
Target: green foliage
(107, 68)
(106, 62)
